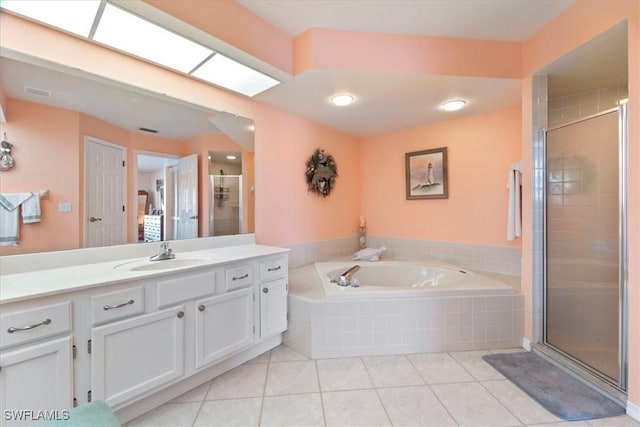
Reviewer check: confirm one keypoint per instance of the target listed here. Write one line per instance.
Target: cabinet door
(273, 307)
(36, 377)
(224, 324)
(137, 355)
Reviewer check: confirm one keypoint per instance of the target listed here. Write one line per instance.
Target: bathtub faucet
(347, 279)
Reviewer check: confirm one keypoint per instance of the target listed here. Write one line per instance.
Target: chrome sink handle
(164, 254)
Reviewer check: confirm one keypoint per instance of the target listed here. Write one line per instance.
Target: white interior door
(187, 198)
(105, 194)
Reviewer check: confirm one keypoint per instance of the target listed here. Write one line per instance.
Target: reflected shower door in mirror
(227, 195)
(50, 110)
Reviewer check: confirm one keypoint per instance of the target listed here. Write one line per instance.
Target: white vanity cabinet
(273, 296)
(36, 365)
(138, 341)
(134, 356)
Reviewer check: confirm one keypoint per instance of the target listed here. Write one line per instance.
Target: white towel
(31, 209)
(9, 217)
(514, 224)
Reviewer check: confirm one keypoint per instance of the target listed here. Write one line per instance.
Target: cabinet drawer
(117, 305)
(35, 323)
(238, 277)
(185, 287)
(273, 268)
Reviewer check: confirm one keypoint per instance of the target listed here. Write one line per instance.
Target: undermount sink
(146, 265)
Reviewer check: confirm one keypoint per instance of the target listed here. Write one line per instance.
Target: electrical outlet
(64, 207)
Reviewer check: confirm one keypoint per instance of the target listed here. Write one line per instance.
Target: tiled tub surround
(326, 329)
(475, 257)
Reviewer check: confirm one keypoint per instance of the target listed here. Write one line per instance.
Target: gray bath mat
(560, 393)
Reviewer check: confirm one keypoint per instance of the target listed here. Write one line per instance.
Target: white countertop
(28, 285)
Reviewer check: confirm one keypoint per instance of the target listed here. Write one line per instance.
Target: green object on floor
(94, 414)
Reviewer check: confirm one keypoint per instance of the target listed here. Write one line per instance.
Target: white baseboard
(526, 344)
(633, 410)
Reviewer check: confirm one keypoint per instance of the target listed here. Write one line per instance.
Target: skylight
(225, 72)
(132, 34)
(122, 30)
(70, 15)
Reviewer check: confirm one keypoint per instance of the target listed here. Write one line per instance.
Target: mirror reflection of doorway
(225, 193)
(151, 176)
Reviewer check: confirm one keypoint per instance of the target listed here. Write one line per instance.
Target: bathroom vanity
(137, 333)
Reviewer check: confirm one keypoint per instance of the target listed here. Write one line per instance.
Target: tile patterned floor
(284, 388)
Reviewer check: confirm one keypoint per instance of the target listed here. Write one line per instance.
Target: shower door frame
(623, 255)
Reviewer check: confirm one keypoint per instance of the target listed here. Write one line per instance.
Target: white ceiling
(512, 20)
(385, 102)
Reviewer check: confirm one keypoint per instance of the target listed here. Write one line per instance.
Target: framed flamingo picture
(426, 174)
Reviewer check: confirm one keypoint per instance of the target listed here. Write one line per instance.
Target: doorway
(104, 193)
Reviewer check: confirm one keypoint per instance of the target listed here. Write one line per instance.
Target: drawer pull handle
(111, 307)
(274, 268)
(241, 277)
(26, 328)
(265, 290)
(201, 307)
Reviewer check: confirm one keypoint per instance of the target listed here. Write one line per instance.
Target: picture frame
(426, 174)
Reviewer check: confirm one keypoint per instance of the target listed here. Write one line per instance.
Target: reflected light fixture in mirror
(453, 105)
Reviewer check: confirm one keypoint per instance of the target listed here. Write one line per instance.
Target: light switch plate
(64, 207)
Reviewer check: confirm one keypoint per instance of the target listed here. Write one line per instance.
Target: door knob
(193, 217)
(94, 219)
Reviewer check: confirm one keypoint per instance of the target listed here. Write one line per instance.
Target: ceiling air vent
(37, 92)
(148, 130)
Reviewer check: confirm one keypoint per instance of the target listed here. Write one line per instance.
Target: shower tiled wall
(475, 257)
(569, 108)
(539, 123)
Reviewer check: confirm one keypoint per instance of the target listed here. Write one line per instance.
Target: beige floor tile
(233, 412)
(439, 368)
(282, 353)
(354, 408)
(519, 403)
(168, 415)
(263, 358)
(414, 406)
(294, 410)
(621, 421)
(562, 424)
(194, 395)
(470, 404)
(343, 374)
(292, 377)
(472, 361)
(244, 381)
(392, 371)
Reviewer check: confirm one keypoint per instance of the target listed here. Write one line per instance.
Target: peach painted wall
(480, 150)
(581, 22)
(372, 52)
(46, 157)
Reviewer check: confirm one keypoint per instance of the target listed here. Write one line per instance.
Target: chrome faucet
(164, 254)
(347, 279)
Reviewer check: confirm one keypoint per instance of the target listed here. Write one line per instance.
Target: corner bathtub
(402, 279)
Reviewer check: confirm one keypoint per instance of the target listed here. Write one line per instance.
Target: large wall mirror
(188, 170)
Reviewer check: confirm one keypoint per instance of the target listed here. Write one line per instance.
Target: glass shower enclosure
(585, 289)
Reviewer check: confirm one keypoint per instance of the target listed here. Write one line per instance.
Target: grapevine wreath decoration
(322, 172)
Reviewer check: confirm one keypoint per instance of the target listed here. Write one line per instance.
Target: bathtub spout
(345, 278)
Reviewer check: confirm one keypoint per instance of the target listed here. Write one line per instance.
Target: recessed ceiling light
(230, 157)
(341, 100)
(453, 105)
